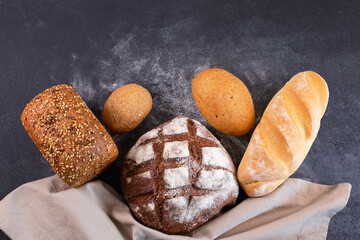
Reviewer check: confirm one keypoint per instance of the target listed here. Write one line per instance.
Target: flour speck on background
(166, 59)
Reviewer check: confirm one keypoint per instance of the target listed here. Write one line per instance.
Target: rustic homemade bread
(68, 135)
(284, 135)
(126, 108)
(224, 100)
(178, 176)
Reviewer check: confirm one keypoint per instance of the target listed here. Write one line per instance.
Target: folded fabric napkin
(49, 209)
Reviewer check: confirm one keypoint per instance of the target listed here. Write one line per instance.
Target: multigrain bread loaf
(178, 176)
(68, 135)
(284, 135)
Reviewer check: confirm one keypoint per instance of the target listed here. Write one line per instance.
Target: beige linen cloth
(49, 209)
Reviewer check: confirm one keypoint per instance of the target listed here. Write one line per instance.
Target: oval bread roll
(126, 108)
(224, 100)
(284, 135)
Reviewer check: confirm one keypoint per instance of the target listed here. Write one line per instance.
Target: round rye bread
(178, 176)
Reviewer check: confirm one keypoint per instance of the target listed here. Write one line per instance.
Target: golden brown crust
(126, 108)
(284, 135)
(68, 135)
(224, 101)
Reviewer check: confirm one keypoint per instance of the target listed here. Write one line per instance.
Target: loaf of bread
(126, 108)
(224, 100)
(178, 176)
(69, 136)
(284, 135)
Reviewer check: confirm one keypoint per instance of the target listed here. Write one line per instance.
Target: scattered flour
(150, 206)
(260, 190)
(151, 134)
(177, 126)
(145, 174)
(176, 149)
(201, 131)
(141, 175)
(217, 157)
(176, 177)
(176, 209)
(184, 211)
(142, 153)
(83, 86)
(214, 179)
(110, 87)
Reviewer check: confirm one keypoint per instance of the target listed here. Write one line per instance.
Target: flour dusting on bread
(142, 153)
(192, 177)
(176, 149)
(176, 177)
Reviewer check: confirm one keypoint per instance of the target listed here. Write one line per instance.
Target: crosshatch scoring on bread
(68, 135)
(178, 176)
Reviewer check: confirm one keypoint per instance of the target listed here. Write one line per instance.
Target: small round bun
(224, 101)
(126, 108)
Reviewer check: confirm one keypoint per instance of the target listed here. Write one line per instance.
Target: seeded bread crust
(69, 136)
(178, 176)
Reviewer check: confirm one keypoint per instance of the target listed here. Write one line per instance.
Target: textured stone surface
(98, 47)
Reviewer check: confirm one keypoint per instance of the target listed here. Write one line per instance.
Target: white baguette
(284, 135)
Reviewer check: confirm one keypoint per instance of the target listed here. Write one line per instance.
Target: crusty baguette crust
(284, 135)
(68, 135)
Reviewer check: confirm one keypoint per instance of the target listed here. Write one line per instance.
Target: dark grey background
(98, 46)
